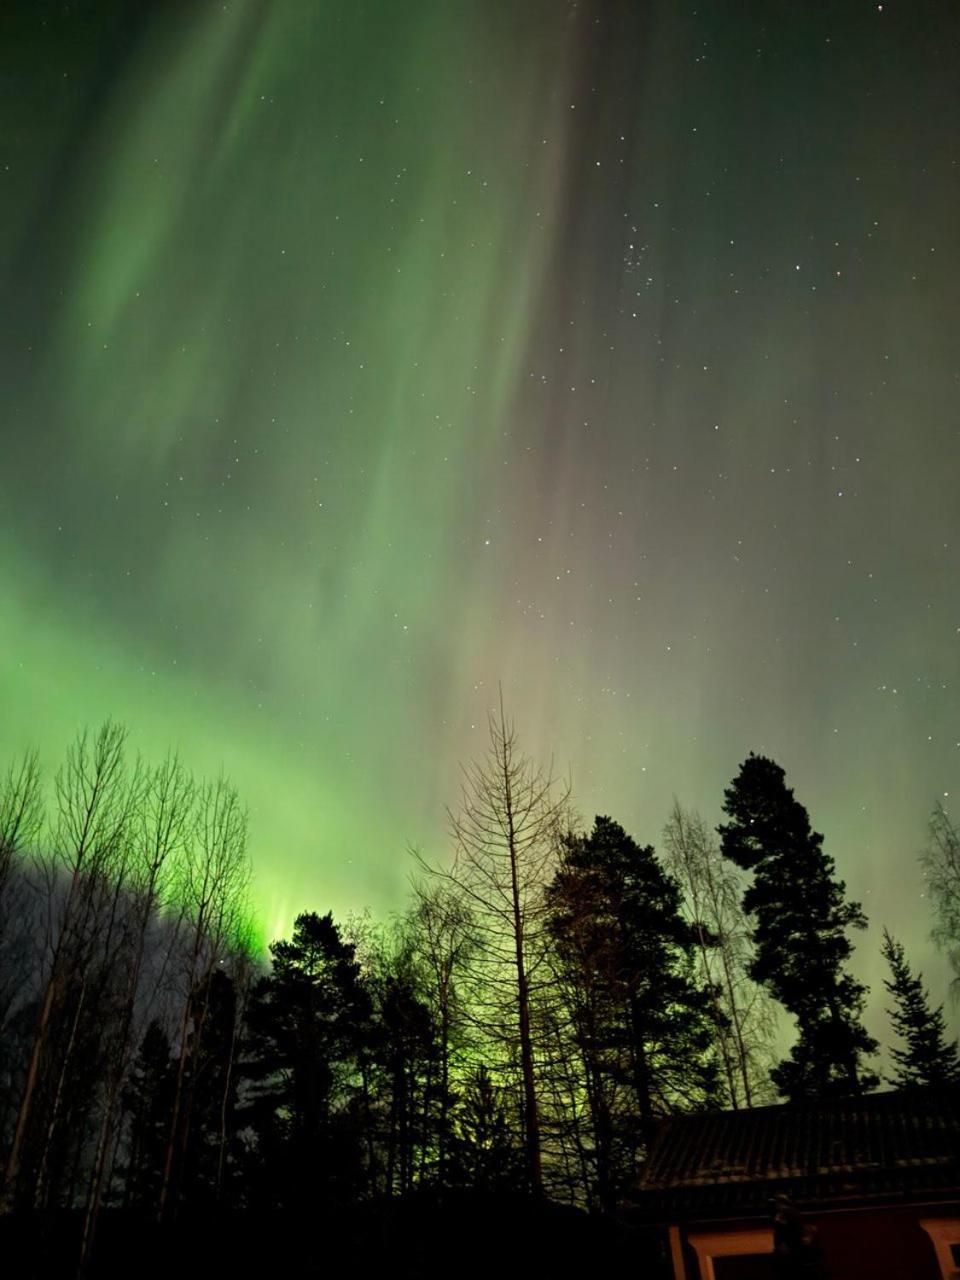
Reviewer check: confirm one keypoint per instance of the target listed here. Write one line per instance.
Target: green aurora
(360, 356)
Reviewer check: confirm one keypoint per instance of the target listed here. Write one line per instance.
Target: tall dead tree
(506, 833)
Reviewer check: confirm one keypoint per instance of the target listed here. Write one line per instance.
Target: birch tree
(159, 839)
(743, 1014)
(941, 864)
(95, 801)
(21, 821)
(212, 890)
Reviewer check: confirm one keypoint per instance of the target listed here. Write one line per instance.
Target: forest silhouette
(477, 1078)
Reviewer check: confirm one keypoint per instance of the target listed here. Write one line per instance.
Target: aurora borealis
(360, 356)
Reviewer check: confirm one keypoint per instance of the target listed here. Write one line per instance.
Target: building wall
(860, 1244)
(886, 1244)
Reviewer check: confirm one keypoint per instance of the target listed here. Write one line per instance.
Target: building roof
(897, 1145)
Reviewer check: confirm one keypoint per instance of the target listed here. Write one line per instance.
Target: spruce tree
(801, 918)
(926, 1058)
(485, 1153)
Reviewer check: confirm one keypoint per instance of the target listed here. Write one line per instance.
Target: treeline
(547, 994)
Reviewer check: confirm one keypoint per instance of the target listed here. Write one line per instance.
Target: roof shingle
(895, 1143)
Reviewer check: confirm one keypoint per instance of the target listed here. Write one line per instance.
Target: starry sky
(357, 356)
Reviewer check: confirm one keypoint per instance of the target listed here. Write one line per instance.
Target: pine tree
(641, 1024)
(306, 1020)
(927, 1058)
(801, 918)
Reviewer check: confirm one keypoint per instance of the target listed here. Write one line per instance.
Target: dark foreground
(462, 1236)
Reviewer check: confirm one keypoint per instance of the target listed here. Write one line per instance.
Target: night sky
(358, 356)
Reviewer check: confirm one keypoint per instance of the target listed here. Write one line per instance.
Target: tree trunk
(850, 1061)
(742, 1054)
(641, 1078)
(531, 1114)
(42, 1173)
(718, 1019)
(225, 1104)
(171, 1143)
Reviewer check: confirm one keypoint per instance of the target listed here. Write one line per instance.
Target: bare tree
(442, 925)
(95, 956)
(95, 800)
(242, 966)
(158, 840)
(941, 864)
(743, 1014)
(506, 833)
(21, 820)
(21, 811)
(212, 892)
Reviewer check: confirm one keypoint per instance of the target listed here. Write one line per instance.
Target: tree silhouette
(21, 820)
(306, 1022)
(211, 889)
(801, 920)
(743, 1012)
(158, 832)
(519, 1028)
(147, 1100)
(440, 932)
(642, 1025)
(485, 1154)
(83, 872)
(506, 832)
(941, 864)
(400, 1058)
(926, 1057)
